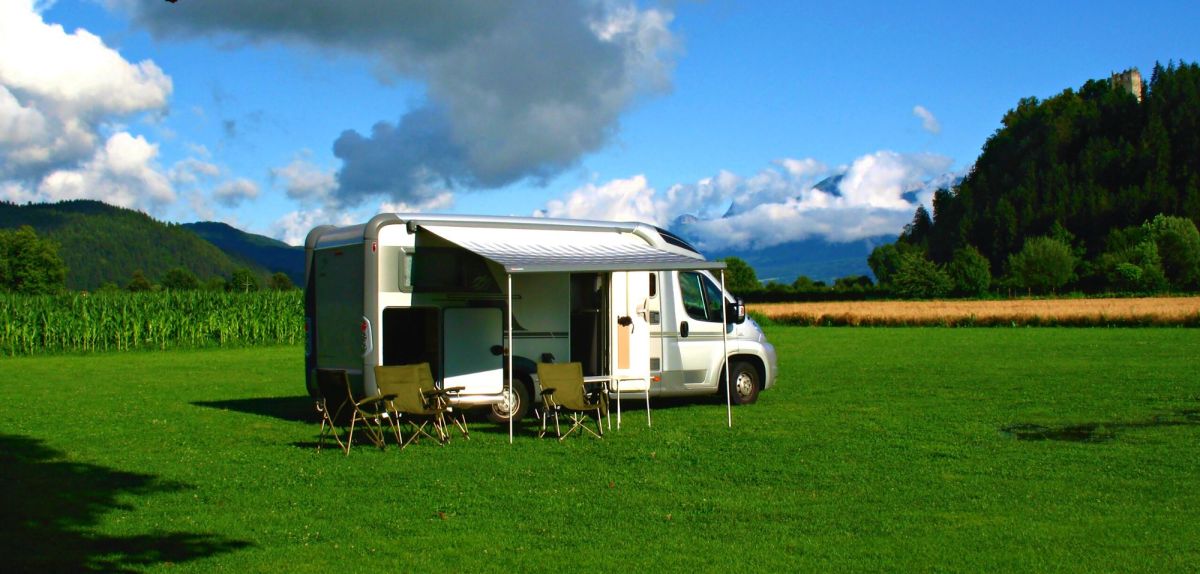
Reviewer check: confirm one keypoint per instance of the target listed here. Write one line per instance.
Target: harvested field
(1145, 311)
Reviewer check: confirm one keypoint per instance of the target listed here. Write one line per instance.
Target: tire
(499, 413)
(744, 378)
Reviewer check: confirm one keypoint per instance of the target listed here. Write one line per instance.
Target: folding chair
(415, 400)
(563, 388)
(339, 408)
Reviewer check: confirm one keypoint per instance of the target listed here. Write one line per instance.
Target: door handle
(683, 329)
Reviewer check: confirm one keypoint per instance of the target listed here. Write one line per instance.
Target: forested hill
(101, 243)
(263, 251)
(1085, 166)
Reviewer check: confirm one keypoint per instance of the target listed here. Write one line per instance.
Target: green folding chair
(563, 389)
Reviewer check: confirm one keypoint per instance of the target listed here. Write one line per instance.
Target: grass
(880, 449)
(1137, 312)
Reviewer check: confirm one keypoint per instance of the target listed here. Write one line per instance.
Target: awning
(548, 250)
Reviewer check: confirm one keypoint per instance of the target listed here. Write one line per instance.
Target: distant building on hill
(1130, 80)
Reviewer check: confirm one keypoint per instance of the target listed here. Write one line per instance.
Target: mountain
(258, 250)
(816, 258)
(102, 244)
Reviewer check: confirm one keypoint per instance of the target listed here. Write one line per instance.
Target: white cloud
(120, 173)
(875, 195)
(929, 123)
(232, 193)
(304, 181)
(59, 93)
(434, 202)
(294, 226)
(191, 170)
(618, 200)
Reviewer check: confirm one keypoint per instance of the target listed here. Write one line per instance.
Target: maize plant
(82, 322)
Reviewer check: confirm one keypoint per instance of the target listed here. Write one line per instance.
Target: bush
(919, 278)
(1043, 265)
(970, 271)
(179, 279)
(1178, 243)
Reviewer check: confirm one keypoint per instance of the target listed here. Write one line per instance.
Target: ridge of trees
(103, 245)
(1090, 190)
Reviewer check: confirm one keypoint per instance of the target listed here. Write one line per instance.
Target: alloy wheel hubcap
(745, 385)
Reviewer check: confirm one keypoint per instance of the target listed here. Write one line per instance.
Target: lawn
(880, 449)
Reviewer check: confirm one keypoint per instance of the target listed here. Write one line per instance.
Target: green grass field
(880, 449)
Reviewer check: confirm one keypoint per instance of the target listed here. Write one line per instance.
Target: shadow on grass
(1099, 432)
(51, 506)
(297, 409)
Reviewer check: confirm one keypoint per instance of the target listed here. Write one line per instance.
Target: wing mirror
(736, 311)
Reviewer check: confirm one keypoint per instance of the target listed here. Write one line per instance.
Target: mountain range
(816, 258)
(103, 244)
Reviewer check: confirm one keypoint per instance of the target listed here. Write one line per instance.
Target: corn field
(77, 322)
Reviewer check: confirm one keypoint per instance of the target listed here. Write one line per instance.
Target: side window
(404, 280)
(712, 300)
(692, 290)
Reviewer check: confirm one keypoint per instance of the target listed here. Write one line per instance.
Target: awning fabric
(537, 250)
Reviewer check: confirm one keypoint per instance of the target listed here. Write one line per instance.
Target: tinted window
(692, 290)
(701, 297)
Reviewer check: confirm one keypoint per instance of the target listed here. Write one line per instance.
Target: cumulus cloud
(875, 195)
(929, 123)
(232, 193)
(191, 170)
(618, 200)
(294, 226)
(59, 94)
(304, 181)
(122, 172)
(515, 90)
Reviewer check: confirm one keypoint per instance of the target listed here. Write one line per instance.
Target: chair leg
(461, 422)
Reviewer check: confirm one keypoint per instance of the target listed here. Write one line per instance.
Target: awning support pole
(509, 390)
(725, 353)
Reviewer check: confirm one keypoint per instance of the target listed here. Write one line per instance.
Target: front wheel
(744, 378)
(517, 402)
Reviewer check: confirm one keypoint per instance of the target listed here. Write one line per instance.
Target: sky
(279, 115)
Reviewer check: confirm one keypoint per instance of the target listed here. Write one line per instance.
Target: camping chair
(339, 408)
(415, 399)
(563, 389)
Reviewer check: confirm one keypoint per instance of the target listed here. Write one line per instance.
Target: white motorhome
(633, 303)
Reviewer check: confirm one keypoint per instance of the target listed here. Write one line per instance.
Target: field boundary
(1133, 312)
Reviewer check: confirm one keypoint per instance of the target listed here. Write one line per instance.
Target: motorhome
(634, 304)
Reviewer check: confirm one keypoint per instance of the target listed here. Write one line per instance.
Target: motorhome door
(469, 336)
(630, 328)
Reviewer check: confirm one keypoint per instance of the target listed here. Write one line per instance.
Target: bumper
(772, 365)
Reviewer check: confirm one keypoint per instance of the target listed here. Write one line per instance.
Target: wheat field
(1143, 311)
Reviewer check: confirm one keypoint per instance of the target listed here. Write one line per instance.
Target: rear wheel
(517, 401)
(744, 379)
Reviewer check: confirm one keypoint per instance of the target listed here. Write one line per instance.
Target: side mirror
(683, 329)
(736, 311)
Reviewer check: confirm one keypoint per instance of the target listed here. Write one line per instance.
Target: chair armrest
(547, 391)
(454, 390)
(374, 399)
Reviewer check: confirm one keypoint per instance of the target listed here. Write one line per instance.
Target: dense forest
(102, 244)
(1091, 190)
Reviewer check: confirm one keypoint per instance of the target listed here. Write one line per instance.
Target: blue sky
(265, 114)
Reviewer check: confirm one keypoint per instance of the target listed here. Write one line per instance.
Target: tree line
(32, 265)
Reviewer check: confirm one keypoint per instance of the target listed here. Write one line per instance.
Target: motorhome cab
(634, 304)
